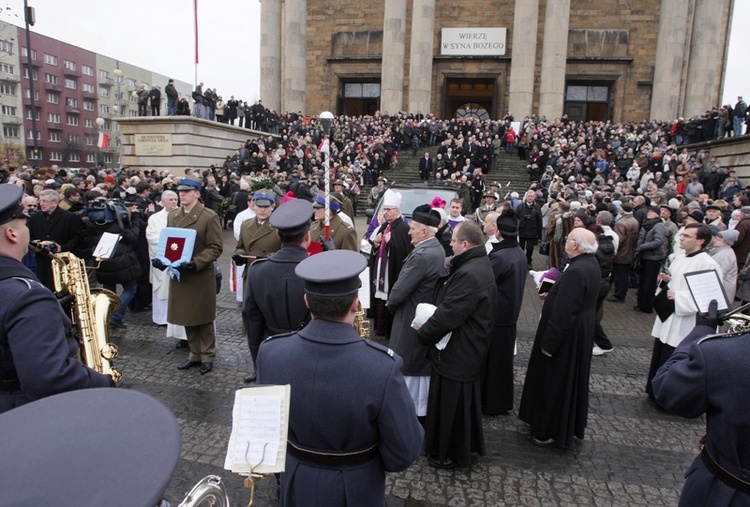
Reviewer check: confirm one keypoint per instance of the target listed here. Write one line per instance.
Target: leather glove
(239, 259)
(188, 266)
(328, 244)
(158, 264)
(712, 318)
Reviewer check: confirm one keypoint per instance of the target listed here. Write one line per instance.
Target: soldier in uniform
(192, 299)
(35, 360)
(343, 236)
(710, 374)
(257, 237)
(488, 206)
(344, 432)
(275, 296)
(347, 206)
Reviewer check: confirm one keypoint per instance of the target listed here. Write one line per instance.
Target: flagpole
(195, 36)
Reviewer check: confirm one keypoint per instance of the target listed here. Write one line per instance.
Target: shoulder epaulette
(381, 348)
(721, 335)
(282, 335)
(259, 260)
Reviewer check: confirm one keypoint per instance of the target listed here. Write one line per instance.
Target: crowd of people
(605, 201)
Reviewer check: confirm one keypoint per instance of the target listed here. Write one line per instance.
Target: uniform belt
(330, 459)
(9, 386)
(721, 472)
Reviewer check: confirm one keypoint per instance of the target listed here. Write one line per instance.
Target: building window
(89, 140)
(132, 113)
(107, 125)
(34, 73)
(6, 47)
(74, 157)
(30, 135)
(71, 83)
(53, 118)
(35, 154)
(71, 101)
(133, 100)
(90, 158)
(107, 158)
(104, 74)
(103, 108)
(36, 110)
(55, 156)
(70, 65)
(53, 98)
(54, 137)
(88, 105)
(50, 59)
(11, 132)
(50, 78)
(9, 110)
(72, 120)
(89, 88)
(72, 138)
(25, 53)
(104, 91)
(7, 68)
(7, 89)
(87, 71)
(27, 94)
(88, 123)
(131, 82)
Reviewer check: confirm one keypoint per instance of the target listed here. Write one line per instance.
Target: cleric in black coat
(556, 391)
(465, 301)
(711, 376)
(510, 270)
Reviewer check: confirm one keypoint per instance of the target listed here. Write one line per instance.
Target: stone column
(392, 72)
(554, 58)
(295, 46)
(270, 53)
(705, 52)
(420, 59)
(523, 58)
(670, 58)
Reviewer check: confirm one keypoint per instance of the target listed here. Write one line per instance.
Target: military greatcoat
(192, 300)
(258, 240)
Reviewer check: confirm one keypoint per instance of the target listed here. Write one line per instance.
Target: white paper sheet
(705, 286)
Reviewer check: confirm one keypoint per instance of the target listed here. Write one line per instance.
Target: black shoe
(250, 378)
(188, 364)
(444, 464)
(181, 344)
(206, 368)
(117, 324)
(615, 299)
(544, 442)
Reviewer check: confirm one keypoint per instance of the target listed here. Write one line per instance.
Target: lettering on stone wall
(473, 41)
(153, 145)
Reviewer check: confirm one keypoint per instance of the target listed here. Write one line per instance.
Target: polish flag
(103, 141)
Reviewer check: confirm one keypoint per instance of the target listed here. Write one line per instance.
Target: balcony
(27, 102)
(54, 126)
(9, 78)
(52, 87)
(8, 119)
(34, 63)
(106, 81)
(72, 110)
(71, 73)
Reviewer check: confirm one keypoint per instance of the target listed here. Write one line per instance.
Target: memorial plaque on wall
(153, 145)
(473, 41)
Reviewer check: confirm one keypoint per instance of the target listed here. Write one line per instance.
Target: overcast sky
(158, 35)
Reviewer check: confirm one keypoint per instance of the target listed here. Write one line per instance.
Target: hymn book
(260, 424)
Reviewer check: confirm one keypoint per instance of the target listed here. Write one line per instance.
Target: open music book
(260, 424)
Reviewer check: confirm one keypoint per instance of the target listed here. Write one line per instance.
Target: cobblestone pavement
(633, 453)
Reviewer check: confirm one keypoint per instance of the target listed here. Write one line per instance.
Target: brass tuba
(90, 310)
(737, 323)
(209, 489)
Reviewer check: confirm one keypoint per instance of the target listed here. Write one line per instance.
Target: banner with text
(473, 41)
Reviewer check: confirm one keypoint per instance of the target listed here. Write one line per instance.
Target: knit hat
(507, 223)
(730, 237)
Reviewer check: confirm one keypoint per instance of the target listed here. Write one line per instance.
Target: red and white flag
(103, 141)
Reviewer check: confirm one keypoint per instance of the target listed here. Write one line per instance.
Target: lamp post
(326, 121)
(100, 123)
(118, 106)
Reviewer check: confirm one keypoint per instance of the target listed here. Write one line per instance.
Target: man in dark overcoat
(192, 299)
(465, 301)
(351, 418)
(415, 285)
(274, 299)
(710, 374)
(555, 400)
(510, 269)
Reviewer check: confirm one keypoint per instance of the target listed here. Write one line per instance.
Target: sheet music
(106, 246)
(705, 286)
(260, 423)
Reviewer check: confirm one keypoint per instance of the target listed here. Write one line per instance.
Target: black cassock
(556, 391)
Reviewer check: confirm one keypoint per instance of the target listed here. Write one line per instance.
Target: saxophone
(90, 310)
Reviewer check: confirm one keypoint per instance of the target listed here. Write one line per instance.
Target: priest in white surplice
(159, 279)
